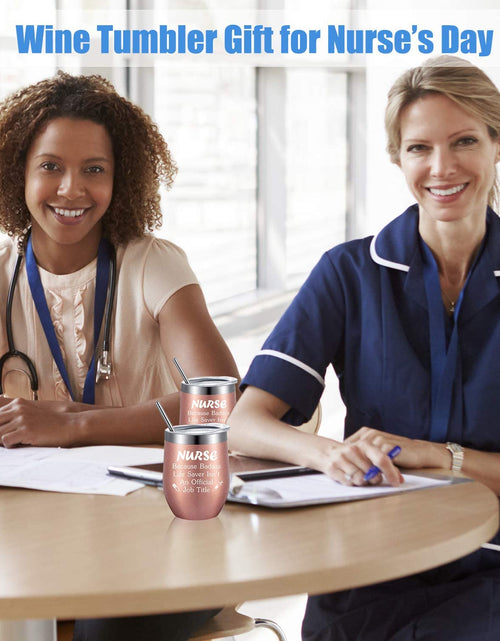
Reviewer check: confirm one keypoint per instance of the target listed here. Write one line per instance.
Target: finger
(10, 419)
(5, 406)
(16, 414)
(7, 424)
(4, 400)
(11, 407)
(11, 439)
(347, 465)
(355, 456)
(384, 442)
(357, 436)
(365, 434)
(380, 459)
(339, 475)
(349, 476)
(357, 479)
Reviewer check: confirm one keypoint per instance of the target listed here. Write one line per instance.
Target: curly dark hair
(142, 157)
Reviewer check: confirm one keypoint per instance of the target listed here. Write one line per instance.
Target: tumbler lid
(203, 434)
(210, 385)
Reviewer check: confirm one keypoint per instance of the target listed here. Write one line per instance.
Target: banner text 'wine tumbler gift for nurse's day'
(196, 470)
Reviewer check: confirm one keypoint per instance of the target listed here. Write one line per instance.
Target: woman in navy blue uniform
(410, 321)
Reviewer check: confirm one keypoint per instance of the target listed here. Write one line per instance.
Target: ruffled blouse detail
(81, 348)
(70, 298)
(55, 305)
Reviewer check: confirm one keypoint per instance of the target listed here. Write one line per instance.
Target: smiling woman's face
(448, 159)
(68, 186)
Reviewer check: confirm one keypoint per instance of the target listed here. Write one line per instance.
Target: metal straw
(181, 371)
(165, 417)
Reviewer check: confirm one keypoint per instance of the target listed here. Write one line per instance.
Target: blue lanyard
(445, 365)
(38, 294)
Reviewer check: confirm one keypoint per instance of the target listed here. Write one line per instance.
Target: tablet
(151, 474)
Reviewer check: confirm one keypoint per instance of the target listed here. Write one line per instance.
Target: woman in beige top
(79, 164)
(80, 169)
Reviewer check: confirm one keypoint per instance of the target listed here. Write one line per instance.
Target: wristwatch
(457, 456)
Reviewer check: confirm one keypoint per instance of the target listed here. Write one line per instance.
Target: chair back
(313, 424)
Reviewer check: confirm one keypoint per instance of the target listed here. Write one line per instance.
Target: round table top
(67, 555)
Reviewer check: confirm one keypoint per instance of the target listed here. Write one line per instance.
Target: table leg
(29, 630)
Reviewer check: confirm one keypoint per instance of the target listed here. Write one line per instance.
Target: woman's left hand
(414, 453)
(40, 423)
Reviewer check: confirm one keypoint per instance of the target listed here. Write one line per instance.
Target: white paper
(319, 488)
(81, 470)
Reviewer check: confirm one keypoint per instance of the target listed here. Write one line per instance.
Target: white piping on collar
(404, 268)
(382, 261)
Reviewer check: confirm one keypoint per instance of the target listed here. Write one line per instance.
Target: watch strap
(457, 456)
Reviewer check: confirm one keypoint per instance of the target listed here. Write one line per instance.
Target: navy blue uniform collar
(396, 247)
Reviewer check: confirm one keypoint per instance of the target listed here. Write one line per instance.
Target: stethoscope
(103, 366)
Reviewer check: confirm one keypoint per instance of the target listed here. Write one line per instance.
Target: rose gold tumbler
(207, 399)
(196, 470)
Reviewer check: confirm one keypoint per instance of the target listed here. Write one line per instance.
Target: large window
(14, 71)
(220, 130)
(208, 116)
(316, 178)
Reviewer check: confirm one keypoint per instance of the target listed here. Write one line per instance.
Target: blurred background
(276, 165)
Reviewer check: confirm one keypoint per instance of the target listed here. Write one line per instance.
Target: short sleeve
(166, 270)
(293, 361)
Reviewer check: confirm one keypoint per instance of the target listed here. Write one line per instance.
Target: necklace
(451, 303)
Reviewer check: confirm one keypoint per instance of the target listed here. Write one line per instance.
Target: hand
(414, 453)
(348, 463)
(40, 423)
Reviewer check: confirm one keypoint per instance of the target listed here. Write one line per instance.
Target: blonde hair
(457, 79)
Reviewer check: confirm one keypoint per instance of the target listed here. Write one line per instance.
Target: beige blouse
(149, 270)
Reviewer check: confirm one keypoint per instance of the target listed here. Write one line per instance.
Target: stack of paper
(81, 470)
(310, 489)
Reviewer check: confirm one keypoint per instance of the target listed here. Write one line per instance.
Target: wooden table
(66, 555)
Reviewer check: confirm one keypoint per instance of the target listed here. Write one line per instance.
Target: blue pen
(374, 470)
